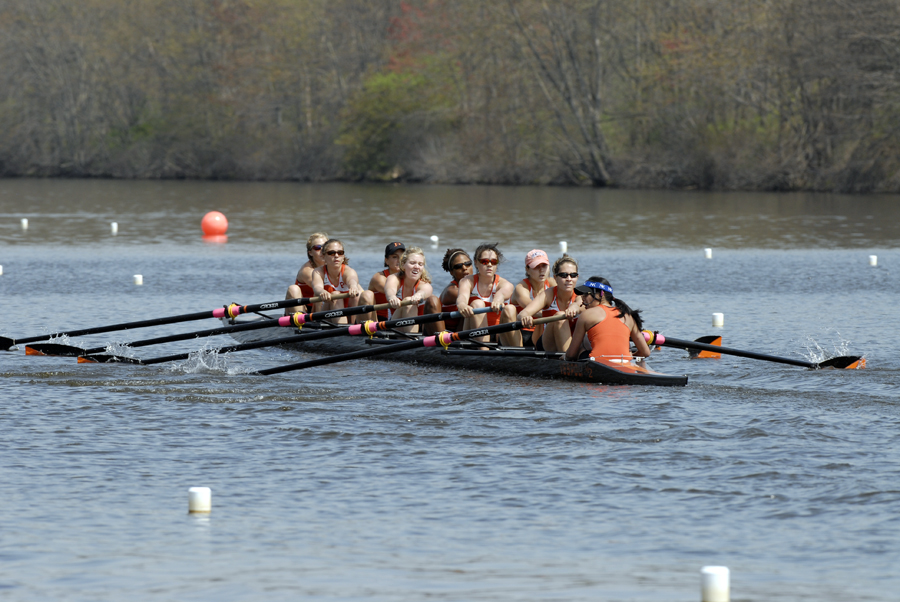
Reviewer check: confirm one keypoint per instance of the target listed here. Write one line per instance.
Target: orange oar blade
(85, 360)
(32, 351)
(709, 340)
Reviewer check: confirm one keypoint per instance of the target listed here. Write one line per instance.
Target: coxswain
(559, 299)
(485, 288)
(374, 295)
(537, 268)
(458, 264)
(608, 323)
(412, 283)
(336, 276)
(302, 286)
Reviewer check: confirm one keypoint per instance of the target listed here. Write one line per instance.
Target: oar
(230, 311)
(297, 319)
(298, 338)
(847, 362)
(442, 339)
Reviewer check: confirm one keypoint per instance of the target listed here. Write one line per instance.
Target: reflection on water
(272, 214)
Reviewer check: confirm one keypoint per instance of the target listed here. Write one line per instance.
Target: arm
(539, 302)
(391, 284)
(425, 290)
(637, 337)
(462, 299)
(504, 292)
(376, 284)
(521, 295)
(577, 337)
(352, 279)
(448, 297)
(318, 286)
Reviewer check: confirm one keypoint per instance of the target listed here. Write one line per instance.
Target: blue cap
(588, 285)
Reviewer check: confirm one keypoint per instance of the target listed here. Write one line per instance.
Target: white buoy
(718, 320)
(563, 246)
(138, 279)
(873, 260)
(434, 241)
(707, 253)
(114, 228)
(24, 223)
(1, 270)
(715, 584)
(199, 499)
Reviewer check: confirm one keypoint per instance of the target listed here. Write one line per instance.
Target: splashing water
(208, 360)
(120, 349)
(816, 352)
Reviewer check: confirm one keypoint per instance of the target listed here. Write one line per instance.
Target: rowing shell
(515, 361)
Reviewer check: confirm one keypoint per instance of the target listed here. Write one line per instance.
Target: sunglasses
(568, 275)
(316, 247)
(334, 252)
(489, 261)
(459, 266)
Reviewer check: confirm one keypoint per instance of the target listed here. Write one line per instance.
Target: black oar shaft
(6, 343)
(682, 344)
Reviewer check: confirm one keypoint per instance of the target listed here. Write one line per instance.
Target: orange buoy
(214, 224)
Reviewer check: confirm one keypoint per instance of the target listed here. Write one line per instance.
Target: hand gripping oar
(230, 311)
(848, 362)
(297, 338)
(439, 340)
(296, 319)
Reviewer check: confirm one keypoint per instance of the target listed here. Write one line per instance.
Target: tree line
(708, 94)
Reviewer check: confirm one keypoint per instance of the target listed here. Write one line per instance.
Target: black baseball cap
(393, 248)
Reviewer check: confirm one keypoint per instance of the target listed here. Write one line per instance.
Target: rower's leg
(563, 335)
(294, 292)
(407, 311)
(433, 306)
(549, 337)
(476, 321)
(514, 338)
(367, 298)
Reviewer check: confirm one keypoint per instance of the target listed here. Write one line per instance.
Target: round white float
(718, 320)
(24, 223)
(707, 253)
(715, 584)
(199, 499)
(563, 246)
(873, 260)
(138, 279)
(114, 228)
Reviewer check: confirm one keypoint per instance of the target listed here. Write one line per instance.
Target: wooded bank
(724, 94)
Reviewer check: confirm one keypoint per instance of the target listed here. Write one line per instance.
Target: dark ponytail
(620, 305)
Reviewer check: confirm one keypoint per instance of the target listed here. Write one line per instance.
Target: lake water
(381, 481)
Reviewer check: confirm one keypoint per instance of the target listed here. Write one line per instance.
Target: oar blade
(104, 358)
(709, 340)
(6, 343)
(53, 349)
(844, 362)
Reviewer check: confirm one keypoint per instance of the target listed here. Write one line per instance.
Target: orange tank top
(610, 337)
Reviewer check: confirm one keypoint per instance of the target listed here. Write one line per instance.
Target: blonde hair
(566, 258)
(309, 244)
(415, 251)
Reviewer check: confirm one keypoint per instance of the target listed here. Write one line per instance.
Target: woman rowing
(302, 286)
(537, 266)
(486, 288)
(336, 276)
(559, 299)
(374, 295)
(412, 283)
(608, 323)
(458, 264)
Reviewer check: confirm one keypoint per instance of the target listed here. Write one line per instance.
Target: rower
(374, 295)
(559, 299)
(411, 283)
(608, 323)
(458, 264)
(302, 286)
(336, 276)
(537, 267)
(486, 288)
